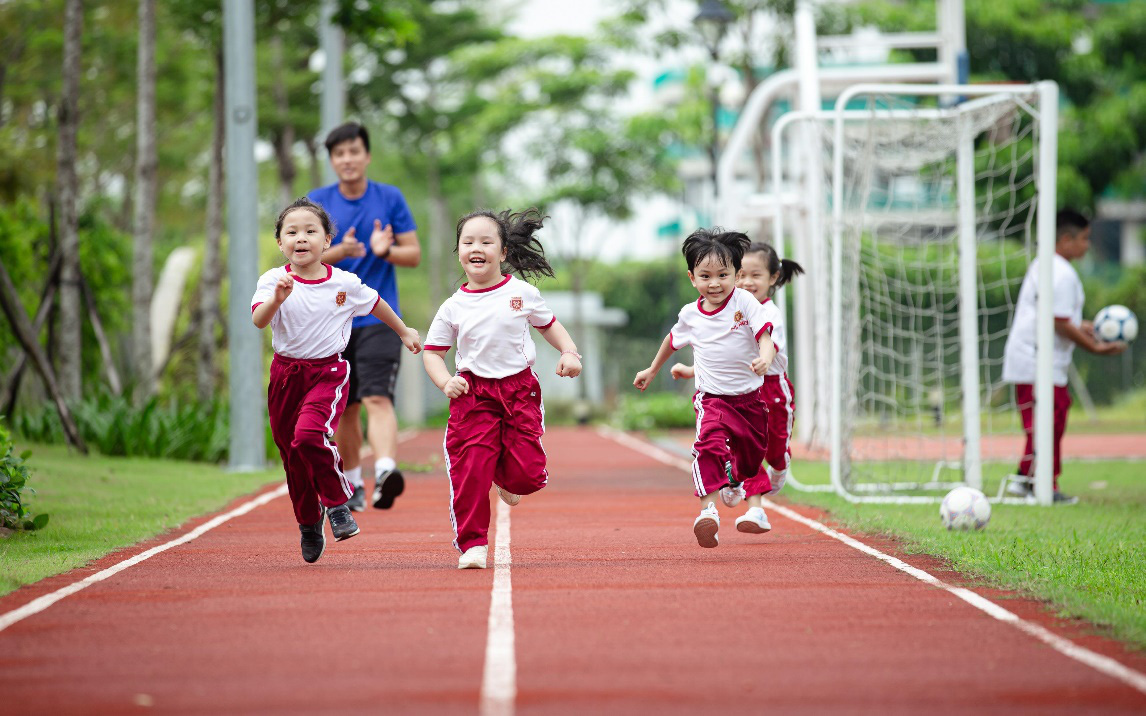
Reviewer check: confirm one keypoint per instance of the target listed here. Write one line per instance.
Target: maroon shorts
(1025, 400)
(778, 394)
(731, 439)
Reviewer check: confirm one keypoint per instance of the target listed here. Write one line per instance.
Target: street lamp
(712, 22)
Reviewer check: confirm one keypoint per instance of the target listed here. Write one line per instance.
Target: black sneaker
(342, 524)
(357, 501)
(1061, 499)
(387, 487)
(313, 540)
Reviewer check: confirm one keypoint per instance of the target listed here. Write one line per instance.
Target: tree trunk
(70, 335)
(212, 272)
(284, 138)
(47, 296)
(315, 166)
(145, 178)
(439, 225)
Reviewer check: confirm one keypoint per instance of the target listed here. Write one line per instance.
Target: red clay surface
(616, 611)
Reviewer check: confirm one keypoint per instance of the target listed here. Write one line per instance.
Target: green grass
(100, 504)
(1085, 560)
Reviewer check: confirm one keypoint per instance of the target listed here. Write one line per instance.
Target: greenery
(655, 410)
(101, 504)
(14, 476)
(1085, 560)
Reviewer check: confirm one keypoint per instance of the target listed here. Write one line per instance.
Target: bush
(654, 410)
(14, 476)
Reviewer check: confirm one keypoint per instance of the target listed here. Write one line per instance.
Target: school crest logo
(515, 303)
(738, 317)
(340, 299)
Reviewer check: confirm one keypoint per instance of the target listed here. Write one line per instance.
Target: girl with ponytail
(493, 436)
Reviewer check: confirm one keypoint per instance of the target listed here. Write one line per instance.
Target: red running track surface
(616, 611)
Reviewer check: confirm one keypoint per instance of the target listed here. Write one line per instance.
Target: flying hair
(784, 269)
(305, 203)
(523, 251)
(727, 246)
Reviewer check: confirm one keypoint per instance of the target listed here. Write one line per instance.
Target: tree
(145, 189)
(71, 317)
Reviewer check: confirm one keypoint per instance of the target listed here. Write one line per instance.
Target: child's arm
(680, 370)
(265, 311)
(435, 364)
(409, 336)
(646, 376)
(1066, 329)
(767, 353)
(569, 365)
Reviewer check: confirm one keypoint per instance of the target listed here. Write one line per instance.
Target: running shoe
(313, 540)
(1062, 499)
(387, 486)
(1019, 486)
(754, 521)
(342, 524)
(778, 479)
(731, 496)
(706, 525)
(508, 497)
(357, 501)
(474, 557)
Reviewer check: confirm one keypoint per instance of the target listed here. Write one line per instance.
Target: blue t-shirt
(382, 202)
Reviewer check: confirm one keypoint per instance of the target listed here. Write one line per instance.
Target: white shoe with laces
(706, 525)
(778, 479)
(508, 497)
(474, 557)
(754, 521)
(731, 496)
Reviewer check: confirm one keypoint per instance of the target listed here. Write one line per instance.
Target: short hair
(305, 203)
(727, 246)
(347, 133)
(1070, 221)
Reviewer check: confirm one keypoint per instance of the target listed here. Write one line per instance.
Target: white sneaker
(474, 557)
(731, 496)
(706, 525)
(508, 497)
(753, 521)
(1020, 485)
(778, 479)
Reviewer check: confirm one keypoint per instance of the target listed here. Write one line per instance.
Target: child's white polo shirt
(1068, 297)
(724, 342)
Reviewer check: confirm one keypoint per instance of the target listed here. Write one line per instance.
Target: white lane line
(39, 604)
(499, 679)
(1103, 664)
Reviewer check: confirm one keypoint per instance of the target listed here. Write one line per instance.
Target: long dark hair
(784, 269)
(727, 246)
(305, 203)
(523, 252)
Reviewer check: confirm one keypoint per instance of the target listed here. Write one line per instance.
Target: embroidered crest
(340, 299)
(738, 317)
(515, 303)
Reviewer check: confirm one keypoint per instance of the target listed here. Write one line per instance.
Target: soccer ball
(1116, 323)
(965, 508)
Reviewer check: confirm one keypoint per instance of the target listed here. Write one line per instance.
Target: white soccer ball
(1116, 323)
(965, 508)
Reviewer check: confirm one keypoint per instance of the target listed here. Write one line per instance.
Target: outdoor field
(599, 601)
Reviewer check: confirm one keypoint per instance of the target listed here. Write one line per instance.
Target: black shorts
(373, 352)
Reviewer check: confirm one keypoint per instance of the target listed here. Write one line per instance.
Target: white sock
(384, 465)
(354, 475)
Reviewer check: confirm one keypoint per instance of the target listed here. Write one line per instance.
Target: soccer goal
(935, 199)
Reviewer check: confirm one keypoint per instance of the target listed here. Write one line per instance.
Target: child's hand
(381, 239)
(1111, 349)
(568, 366)
(760, 366)
(283, 288)
(680, 370)
(353, 247)
(644, 378)
(455, 386)
(412, 340)
(1087, 327)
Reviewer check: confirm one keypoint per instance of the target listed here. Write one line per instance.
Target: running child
(307, 390)
(497, 418)
(729, 333)
(762, 271)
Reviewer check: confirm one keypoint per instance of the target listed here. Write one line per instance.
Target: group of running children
(743, 401)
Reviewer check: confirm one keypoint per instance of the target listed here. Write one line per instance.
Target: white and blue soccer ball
(1116, 324)
(965, 508)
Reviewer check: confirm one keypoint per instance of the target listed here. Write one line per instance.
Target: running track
(615, 610)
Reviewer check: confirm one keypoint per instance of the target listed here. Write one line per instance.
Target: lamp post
(712, 22)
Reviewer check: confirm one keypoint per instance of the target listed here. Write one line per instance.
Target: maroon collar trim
(700, 304)
(504, 281)
(300, 279)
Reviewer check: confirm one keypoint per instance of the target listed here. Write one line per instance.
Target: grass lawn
(100, 504)
(1086, 560)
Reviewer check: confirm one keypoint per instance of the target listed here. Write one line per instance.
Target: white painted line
(1103, 664)
(39, 604)
(499, 679)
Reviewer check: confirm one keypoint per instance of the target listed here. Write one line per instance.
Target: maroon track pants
(778, 394)
(493, 437)
(731, 439)
(1025, 400)
(305, 399)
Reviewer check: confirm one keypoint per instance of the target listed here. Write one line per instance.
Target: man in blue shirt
(375, 233)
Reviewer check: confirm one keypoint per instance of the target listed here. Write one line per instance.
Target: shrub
(654, 410)
(14, 476)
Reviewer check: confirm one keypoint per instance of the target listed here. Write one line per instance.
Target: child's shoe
(753, 521)
(778, 479)
(342, 524)
(357, 501)
(731, 496)
(313, 540)
(388, 486)
(508, 497)
(474, 557)
(706, 525)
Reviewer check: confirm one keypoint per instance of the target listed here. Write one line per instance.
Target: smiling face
(713, 280)
(754, 277)
(349, 160)
(302, 239)
(480, 250)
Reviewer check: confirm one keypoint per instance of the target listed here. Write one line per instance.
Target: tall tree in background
(71, 307)
(145, 190)
(212, 272)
